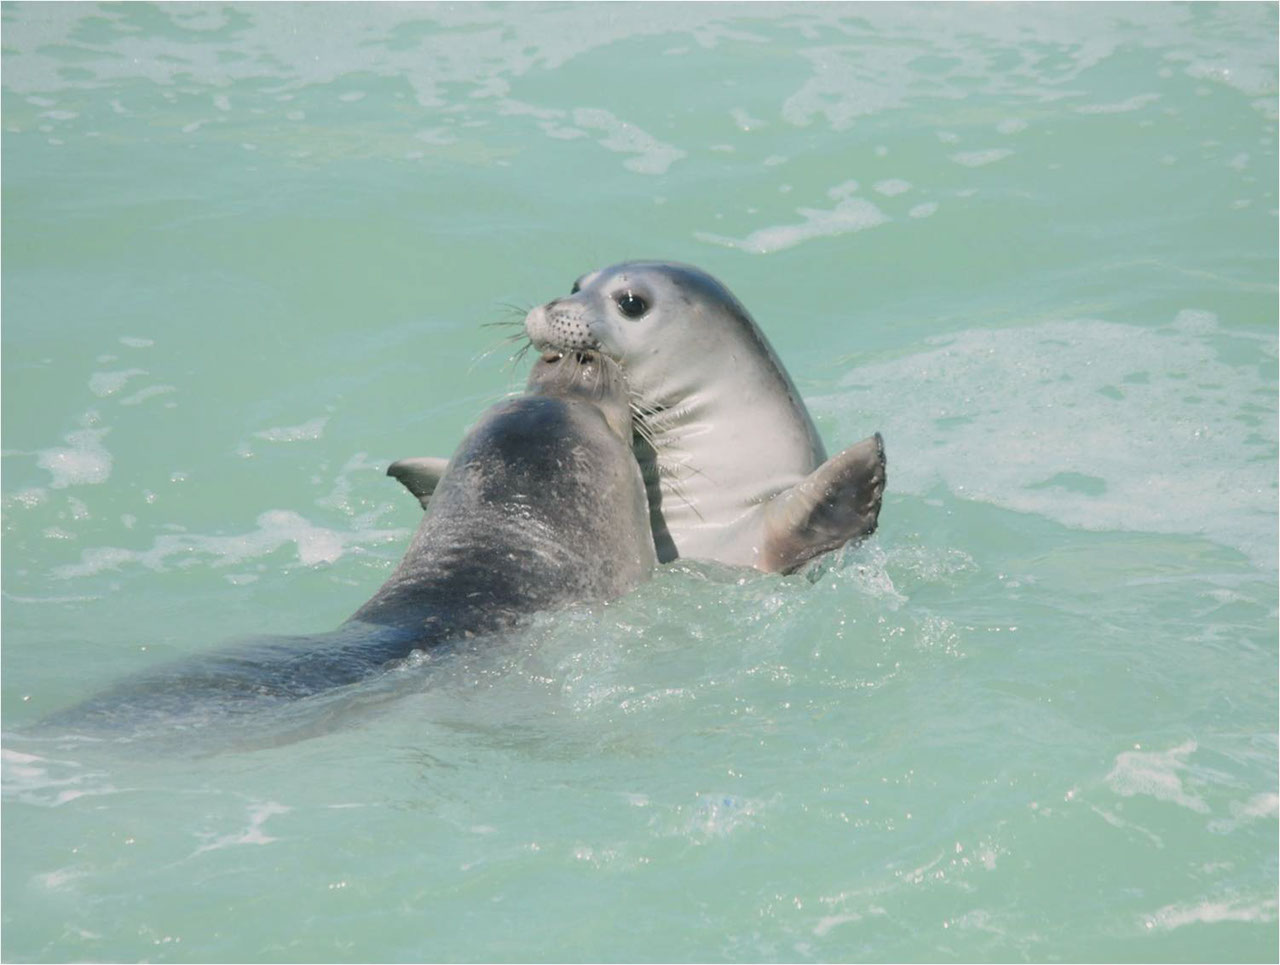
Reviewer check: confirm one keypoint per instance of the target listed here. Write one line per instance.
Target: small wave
(83, 461)
(717, 815)
(276, 528)
(313, 429)
(849, 215)
(1094, 424)
(103, 384)
(1211, 912)
(651, 155)
(891, 186)
(253, 833)
(45, 782)
(149, 392)
(1260, 807)
(1155, 774)
(978, 159)
(1137, 102)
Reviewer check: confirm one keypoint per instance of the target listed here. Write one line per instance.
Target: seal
(541, 506)
(734, 468)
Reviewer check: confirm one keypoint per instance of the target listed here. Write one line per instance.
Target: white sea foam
(843, 190)
(276, 528)
(717, 815)
(55, 880)
(150, 392)
(849, 215)
(27, 498)
(313, 429)
(1133, 428)
(1259, 807)
(1210, 912)
(103, 384)
(651, 155)
(83, 461)
(849, 78)
(892, 186)
(743, 119)
(254, 833)
(46, 782)
(978, 159)
(1155, 774)
(1136, 102)
(340, 497)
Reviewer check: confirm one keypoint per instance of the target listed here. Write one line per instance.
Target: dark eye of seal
(631, 304)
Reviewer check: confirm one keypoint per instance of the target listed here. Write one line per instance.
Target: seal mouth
(581, 356)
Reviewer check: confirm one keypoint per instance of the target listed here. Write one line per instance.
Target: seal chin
(587, 375)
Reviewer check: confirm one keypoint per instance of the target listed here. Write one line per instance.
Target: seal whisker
(515, 309)
(639, 427)
(676, 488)
(487, 353)
(520, 353)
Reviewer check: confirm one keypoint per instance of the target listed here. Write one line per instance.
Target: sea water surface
(249, 252)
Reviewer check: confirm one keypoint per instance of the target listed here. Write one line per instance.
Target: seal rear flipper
(420, 475)
(837, 502)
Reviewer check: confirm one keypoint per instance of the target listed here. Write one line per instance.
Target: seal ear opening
(420, 475)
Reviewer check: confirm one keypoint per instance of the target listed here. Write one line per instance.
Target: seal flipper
(419, 475)
(837, 502)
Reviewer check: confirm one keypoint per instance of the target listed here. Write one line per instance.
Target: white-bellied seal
(542, 505)
(734, 468)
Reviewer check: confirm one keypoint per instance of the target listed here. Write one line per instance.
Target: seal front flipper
(420, 475)
(837, 502)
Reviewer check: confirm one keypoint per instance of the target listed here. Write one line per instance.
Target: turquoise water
(248, 257)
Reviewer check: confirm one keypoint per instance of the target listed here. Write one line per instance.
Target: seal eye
(631, 304)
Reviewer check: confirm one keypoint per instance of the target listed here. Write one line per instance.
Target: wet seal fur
(733, 466)
(542, 506)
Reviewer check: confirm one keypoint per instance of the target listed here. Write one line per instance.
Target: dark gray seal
(542, 506)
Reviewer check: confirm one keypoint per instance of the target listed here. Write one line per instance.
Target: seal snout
(561, 324)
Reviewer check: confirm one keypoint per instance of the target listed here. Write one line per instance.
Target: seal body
(542, 505)
(734, 468)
